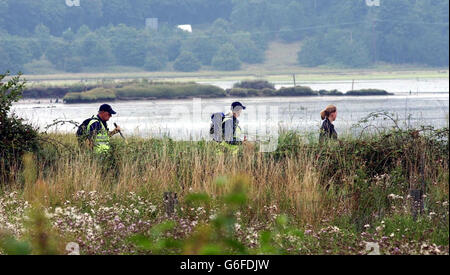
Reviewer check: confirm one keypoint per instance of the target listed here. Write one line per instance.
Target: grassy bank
(144, 89)
(255, 72)
(304, 198)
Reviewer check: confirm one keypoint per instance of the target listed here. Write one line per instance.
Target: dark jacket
(327, 130)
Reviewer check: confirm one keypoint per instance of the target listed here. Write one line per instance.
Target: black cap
(237, 104)
(107, 108)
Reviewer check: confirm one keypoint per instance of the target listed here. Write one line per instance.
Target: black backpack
(81, 131)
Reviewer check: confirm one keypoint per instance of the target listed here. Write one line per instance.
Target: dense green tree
(128, 45)
(68, 35)
(5, 62)
(18, 52)
(94, 51)
(153, 63)
(247, 50)
(73, 64)
(203, 48)
(334, 47)
(186, 62)
(57, 53)
(401, 31)
(227, 59)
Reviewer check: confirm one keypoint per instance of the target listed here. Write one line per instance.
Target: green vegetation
(95, 95)
(51, 37)
(143, 89)
(16, 137)
(304, 198)
(254, 84)
(366, 92)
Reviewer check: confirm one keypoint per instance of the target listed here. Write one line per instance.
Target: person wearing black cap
(97, 130)
(232, 132)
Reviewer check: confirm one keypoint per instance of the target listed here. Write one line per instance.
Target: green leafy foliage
(227, 59)
(186, 62)
(16, 137)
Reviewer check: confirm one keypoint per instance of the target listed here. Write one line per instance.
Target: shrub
(243, 92)
(296, 91)
(254, 84)
(367, 92)
(16, 137)
(169, 91)
(95, 95)
(332, 92)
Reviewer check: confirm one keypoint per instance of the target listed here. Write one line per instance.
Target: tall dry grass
(306, 181)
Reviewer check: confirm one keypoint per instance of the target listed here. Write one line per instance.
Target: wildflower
(394, 196)
(58, 210)
(237, 226)
(392, 235)
(367, 226)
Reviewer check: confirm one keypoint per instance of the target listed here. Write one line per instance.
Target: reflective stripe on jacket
(101, 138)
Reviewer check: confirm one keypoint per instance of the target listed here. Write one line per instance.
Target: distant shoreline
(281, 75)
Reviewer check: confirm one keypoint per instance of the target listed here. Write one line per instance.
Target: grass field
(304, 198)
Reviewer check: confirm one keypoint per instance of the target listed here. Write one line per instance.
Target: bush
(95, 95)
(332, 92)
(367, 92)
(16, 137)
(254, 84)
(169, 91)
(243, 92)
(296, 91)
(186, 62)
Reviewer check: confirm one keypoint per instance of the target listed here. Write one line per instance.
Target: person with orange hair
(327, 130)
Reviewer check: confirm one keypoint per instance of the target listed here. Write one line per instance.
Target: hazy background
(56, 36)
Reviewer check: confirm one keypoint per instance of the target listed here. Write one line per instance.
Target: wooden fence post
(170, 201)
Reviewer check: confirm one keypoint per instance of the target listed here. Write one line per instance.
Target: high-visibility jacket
(101, 139)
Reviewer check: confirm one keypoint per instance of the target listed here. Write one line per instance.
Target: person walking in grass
(95, 130)
(327, 130)
(232, 132)
(225, 129)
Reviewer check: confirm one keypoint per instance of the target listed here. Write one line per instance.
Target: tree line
(227, 33)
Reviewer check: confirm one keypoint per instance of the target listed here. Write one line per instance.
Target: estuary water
(414, 103)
